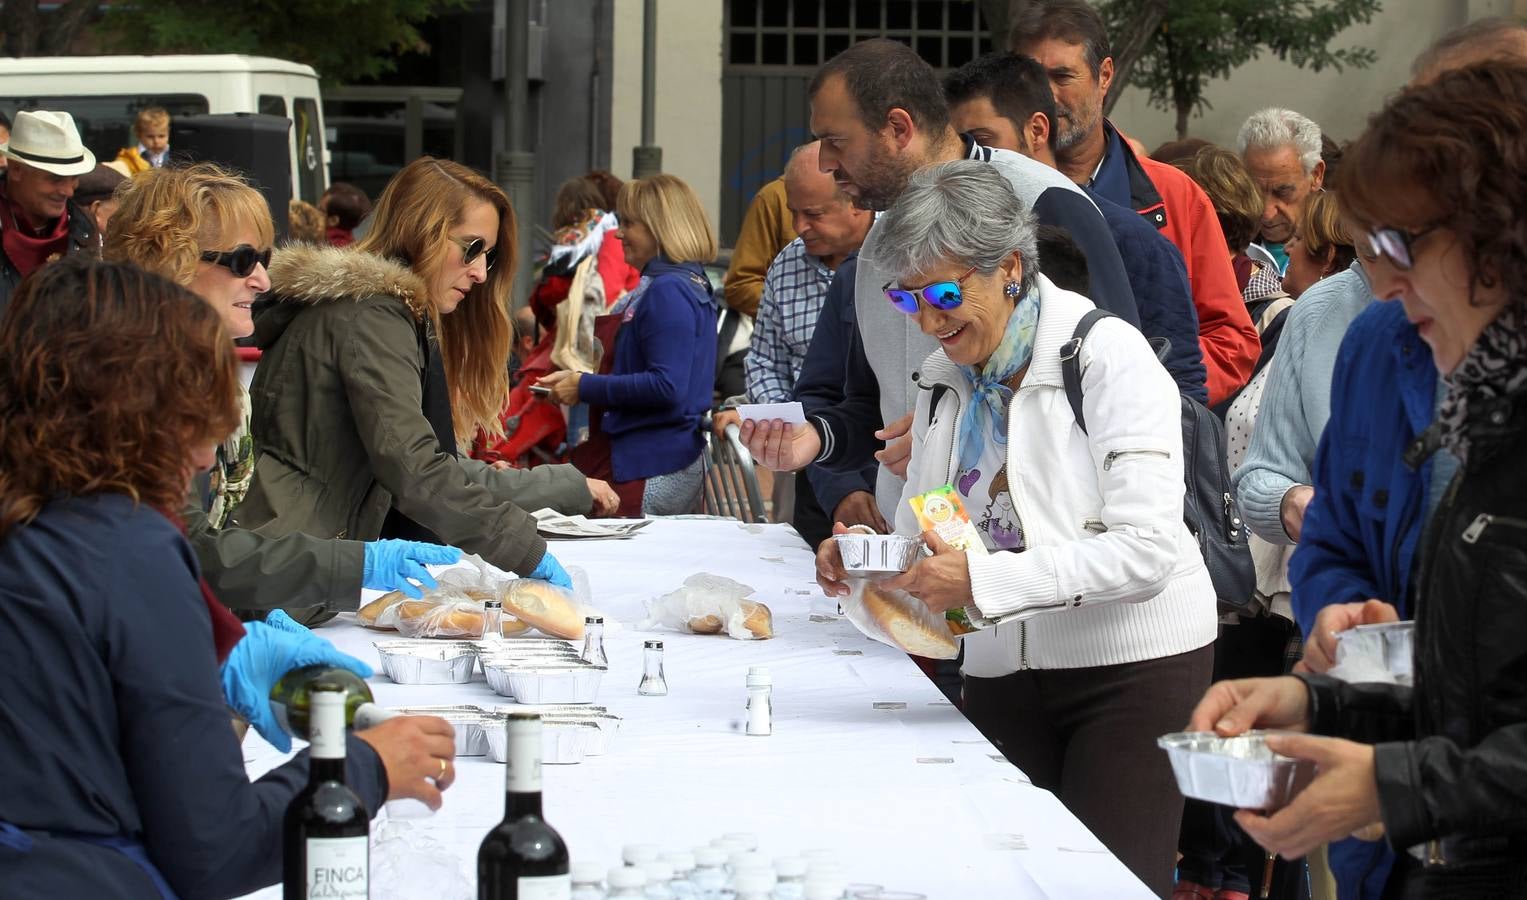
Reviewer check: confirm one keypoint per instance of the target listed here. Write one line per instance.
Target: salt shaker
(760, 711)
(593, 641)
(653, 684)
(493, 620)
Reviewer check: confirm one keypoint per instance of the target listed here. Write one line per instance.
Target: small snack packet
(941, 511)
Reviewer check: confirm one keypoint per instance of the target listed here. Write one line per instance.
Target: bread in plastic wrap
(711, 604)
(899, 620)
(545, 606)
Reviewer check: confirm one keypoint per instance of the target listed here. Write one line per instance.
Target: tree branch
(1130, 43)
(18, 19)
(65, 24)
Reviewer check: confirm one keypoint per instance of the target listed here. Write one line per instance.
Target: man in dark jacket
(39, 220)
(1003, 100)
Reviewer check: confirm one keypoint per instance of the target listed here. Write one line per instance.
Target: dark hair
(1238, 202)
(1072, 21)
(1174, 151)
(5, 121)
(1016, 85)
(576, 196)
(1457, 149)
(108, 374)
(347, 203)
(1330, 154)
(1061, 259)
(97, 184)
(881, 75)
(1490, 38)
(609, 187)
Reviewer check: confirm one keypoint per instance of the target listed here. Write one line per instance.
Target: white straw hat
(48, 140)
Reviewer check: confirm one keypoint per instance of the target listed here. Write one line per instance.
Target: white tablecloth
(914, 799)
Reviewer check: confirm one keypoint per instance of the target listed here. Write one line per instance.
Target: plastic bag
(898, 619)
(545, 606)
(407, 863)
(711, 604)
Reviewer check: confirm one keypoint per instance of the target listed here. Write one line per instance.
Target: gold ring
(442, 770)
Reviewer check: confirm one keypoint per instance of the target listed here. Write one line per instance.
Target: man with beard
(1069, 40)
(880, 114)
(1281, 150)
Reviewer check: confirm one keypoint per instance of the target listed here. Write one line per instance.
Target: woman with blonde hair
(205, 228)
(655, 381)
(379, 359)
(1320, 247)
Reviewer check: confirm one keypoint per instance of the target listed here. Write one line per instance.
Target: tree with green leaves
(1199, 40)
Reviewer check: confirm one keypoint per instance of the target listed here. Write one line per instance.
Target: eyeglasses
(474, 248)
(1396, 245)
(939, 294)
(241, 260)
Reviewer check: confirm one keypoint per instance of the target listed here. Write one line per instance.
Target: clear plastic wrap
(454, 608)
(897, 619)
(406, 862)
(711, 604)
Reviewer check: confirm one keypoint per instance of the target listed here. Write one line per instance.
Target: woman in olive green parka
(378, 360)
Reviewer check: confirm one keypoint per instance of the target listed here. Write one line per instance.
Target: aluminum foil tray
(872, 554)
(563, 742)
(1238, 771)
(471, 724)
(525, 645)
(573, 681)
(1387, 647)
(607, 722)
(427, 662)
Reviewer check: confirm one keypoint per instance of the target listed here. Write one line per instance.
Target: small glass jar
(588, 881)
(653, 682)
(627, 883)
(593, 641)
(709, 876)
(493, 620)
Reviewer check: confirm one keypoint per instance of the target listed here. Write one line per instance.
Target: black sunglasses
(1396, 244)
(240, 260)
(474, 248)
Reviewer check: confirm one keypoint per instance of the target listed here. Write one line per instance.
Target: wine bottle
(289, 699)
(523, 858)
(326, 832)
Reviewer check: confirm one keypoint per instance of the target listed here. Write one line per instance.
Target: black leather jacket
(1451, 755)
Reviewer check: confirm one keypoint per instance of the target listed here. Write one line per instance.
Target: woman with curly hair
(379, 360)
(119, 774)
(205, 228)
(1433, 189)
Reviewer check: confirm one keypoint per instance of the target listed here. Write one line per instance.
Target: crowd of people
(979, 282)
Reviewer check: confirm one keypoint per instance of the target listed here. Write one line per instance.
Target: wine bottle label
(547, 887)
(523, 767)
(338, 868)
(327, 725)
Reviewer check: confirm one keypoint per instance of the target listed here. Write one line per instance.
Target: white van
(104, 94)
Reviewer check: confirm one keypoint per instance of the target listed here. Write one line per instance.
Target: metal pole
(516, 165)
(647, 159)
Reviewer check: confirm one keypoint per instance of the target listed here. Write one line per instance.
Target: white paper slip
(791, 412)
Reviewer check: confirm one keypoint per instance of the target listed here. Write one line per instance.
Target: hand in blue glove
(267, 652)
(396, 565)
(551, 570)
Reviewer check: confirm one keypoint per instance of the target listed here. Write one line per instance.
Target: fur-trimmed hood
(310, 275)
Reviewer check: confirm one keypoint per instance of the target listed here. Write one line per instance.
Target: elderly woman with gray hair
(1108, 611)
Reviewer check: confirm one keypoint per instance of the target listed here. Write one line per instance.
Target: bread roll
(757, 619)
(544, 606)
(370, 615)
(705, 624)
(514, 627)
(909, 632)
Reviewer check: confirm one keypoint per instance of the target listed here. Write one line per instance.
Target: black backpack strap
(1071, 364)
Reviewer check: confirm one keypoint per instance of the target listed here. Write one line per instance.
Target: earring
(1012, 290)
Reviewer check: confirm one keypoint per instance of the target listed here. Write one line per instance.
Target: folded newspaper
(553, 524)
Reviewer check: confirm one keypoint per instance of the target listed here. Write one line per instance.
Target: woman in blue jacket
(655, 388)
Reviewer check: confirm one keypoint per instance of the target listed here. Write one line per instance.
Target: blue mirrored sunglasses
(939, 294)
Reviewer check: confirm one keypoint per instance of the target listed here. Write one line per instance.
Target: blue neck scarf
(990, 397)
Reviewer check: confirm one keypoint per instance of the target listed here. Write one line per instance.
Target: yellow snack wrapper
(941, 512)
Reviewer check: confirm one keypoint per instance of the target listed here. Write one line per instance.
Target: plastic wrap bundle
(546, 607)
(454, 609)
(899, 620)
(711, 604)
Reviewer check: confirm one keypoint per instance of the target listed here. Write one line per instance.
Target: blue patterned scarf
(990, 396)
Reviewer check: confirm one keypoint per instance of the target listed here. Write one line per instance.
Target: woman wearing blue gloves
(119, 774)
(207, 229)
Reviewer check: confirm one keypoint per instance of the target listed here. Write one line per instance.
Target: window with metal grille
(807, 33)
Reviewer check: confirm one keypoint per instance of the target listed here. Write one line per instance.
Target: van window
(106, 121)
(272, 106)
(305, 125)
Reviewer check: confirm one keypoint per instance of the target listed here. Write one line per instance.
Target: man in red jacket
(1069, 39)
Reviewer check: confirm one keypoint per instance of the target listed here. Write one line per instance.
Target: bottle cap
(754, 881)
(681, 860)
(637, 854)
(586, 872)
(826, 871)
(747, 859)
(493, 604)
(727, 846)
(653, 645)
(593, 620)
(626, 877)
(822, 890)
(747, 839)
(758, 676)
(710, 857)
(790, 867)
(658, 871)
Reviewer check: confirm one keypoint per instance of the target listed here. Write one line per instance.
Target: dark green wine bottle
(291, 698)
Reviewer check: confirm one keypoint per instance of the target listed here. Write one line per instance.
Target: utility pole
(647, 159)
(515, 168)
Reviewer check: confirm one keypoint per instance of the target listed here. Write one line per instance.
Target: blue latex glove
(396, 565)
(551, 570)
(266, 653)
